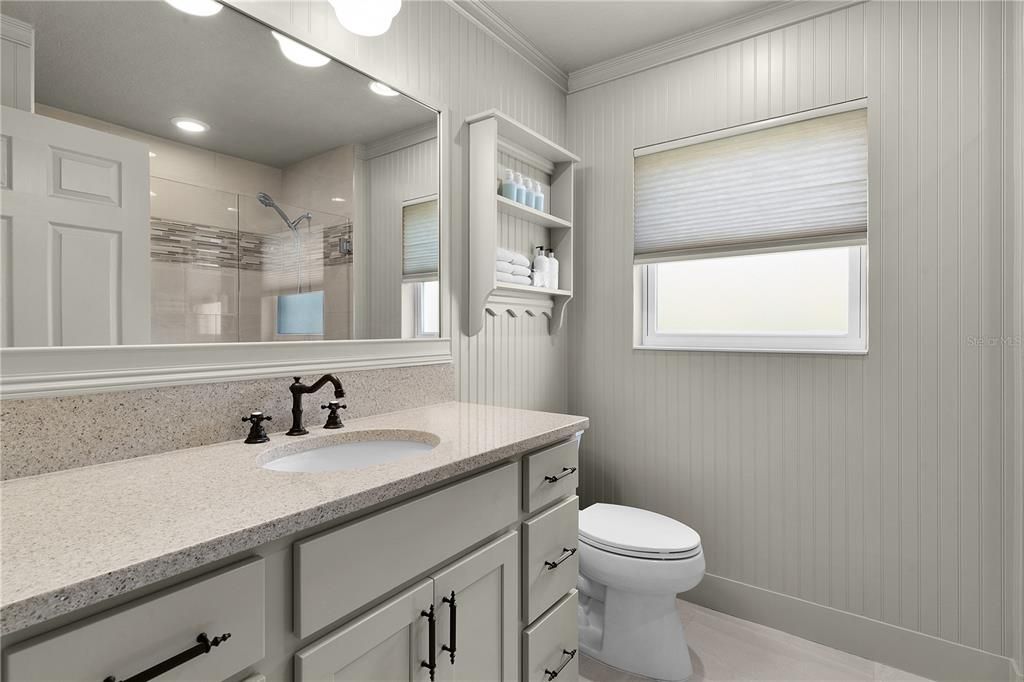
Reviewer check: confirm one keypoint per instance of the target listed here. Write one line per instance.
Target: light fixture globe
(298, 53)
(366, 17)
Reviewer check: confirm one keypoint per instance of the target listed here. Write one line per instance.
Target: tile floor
(726, 648)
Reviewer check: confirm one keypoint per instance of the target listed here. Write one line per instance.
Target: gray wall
(879, 485)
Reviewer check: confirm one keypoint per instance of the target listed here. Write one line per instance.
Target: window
(427, 309)
(754, 238)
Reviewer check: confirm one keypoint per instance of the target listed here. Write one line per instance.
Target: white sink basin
(353, 453)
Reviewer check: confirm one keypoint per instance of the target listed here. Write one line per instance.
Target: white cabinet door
(485, 588)
(387, 644)
(74, 232)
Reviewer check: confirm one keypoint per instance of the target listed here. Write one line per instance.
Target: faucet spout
(299, 389)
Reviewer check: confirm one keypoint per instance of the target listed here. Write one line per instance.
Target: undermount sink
(355, 451)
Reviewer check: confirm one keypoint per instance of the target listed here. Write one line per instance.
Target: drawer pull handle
(431, 662)
(566, 471)
(450, 601)
(552, 674)
(204, 646)
(566, 553)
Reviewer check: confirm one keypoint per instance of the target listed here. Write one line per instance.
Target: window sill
(733, 349)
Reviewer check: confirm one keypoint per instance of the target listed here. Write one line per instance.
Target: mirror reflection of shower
(293, 225)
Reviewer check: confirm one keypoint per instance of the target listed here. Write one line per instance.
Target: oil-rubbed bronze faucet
(300, 389)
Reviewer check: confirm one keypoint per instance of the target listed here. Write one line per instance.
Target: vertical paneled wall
(438, 55)
(879, 484)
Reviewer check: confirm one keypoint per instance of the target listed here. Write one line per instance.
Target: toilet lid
(636, 531)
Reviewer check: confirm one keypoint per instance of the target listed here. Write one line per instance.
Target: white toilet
(632, 564)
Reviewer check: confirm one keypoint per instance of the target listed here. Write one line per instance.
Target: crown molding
(674, 49)
(494, 24)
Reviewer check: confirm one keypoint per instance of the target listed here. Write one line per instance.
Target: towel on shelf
(502, 266)
(506, 256)
(512, 279)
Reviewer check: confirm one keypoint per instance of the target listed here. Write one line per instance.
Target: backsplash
(43, 435)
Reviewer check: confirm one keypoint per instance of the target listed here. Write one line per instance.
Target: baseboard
(914, 652)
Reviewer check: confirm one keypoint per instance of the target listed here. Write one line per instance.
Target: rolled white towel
(511, 279)
(502, 266)
(506, 256)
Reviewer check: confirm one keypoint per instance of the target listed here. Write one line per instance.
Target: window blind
(787, 186)
(420, 245)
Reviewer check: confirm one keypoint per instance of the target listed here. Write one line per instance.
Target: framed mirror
(193, 196)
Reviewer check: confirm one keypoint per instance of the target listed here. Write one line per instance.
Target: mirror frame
(71, 370)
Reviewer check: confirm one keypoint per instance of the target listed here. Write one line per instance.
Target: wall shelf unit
(496, 142)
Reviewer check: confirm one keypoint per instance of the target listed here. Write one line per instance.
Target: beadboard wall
(877, 485)
(437, 54)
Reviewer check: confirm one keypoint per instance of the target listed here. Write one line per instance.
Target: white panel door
(75, 217)
(485, 587)
(387, 644)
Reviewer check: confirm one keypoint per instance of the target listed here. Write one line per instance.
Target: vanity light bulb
(366, 17)
(199, 8)
(299, 54)
(382, 89)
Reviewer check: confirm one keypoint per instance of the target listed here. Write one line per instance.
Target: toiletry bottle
(520, 188)
(540, 268)
(528, 198)
(538, 196)
(508, 184)
(552, 276)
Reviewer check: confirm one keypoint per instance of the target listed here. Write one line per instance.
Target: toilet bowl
(632, 564)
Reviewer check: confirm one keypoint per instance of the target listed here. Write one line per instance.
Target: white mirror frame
(69, 370)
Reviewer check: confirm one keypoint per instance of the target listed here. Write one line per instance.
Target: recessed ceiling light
(152, 193)
(382, 89)
(199, 8)
(366, 17)
(337, 199)
(152, 155)
(298, 53)
(232, 209)
(190, 125)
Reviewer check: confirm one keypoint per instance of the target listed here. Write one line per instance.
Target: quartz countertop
(74, 538)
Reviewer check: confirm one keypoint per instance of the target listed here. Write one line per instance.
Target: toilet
(633, 563)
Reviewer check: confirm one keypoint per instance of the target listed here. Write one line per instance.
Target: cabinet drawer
(342, 570)
(550, 563)
(132, 638)
(551, 645)
(550, 474)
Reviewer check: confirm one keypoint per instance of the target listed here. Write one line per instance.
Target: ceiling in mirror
(211, 180)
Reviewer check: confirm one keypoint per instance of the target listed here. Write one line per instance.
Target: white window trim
(852, 343)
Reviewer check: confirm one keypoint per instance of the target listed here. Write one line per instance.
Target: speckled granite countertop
(73, 538)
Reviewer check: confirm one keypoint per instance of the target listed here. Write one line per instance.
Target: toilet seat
(637, 533)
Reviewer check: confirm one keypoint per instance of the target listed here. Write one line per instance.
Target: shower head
(269, 202)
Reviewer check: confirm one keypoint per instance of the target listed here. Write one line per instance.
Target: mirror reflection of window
(420, 250)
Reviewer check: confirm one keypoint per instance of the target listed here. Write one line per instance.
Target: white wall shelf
(490, 133)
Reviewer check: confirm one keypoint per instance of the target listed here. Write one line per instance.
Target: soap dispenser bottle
(540, 268)
(520, 188)
(508, 184)
(552, 275)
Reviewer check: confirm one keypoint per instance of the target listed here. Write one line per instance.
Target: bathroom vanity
(456, 563)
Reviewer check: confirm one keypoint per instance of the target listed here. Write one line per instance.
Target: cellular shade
(783, 186)
(420, 243)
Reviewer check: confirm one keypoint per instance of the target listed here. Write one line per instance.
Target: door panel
(76, 204)
(388, 643)
(485, 584)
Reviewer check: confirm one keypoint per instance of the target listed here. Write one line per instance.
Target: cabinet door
(387, 644)
(485, 585)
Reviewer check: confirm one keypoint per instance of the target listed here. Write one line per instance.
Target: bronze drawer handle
(552, 674)
(566, 553)
(566, 471)
(204, 646)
